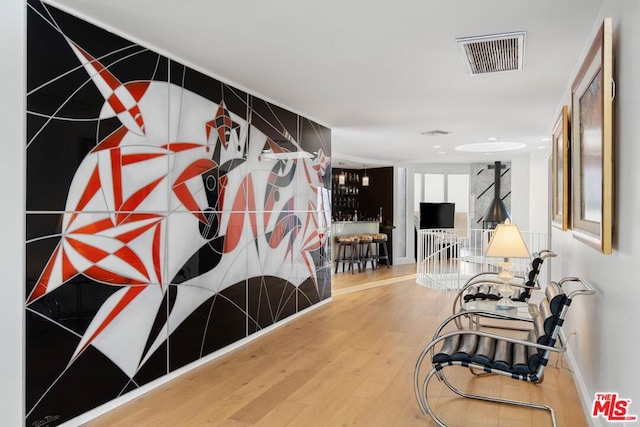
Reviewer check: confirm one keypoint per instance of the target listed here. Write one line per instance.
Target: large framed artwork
(561, 171)
(592, 148)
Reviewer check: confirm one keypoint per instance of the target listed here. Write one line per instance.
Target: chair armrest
(585, 289)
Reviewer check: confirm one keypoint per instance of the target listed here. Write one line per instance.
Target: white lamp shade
(365, 181)
(507, 242)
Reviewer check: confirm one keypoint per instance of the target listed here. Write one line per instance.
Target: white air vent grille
(494, 53)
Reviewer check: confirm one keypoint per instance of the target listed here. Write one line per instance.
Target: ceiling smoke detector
(435, 132)
(493, 53)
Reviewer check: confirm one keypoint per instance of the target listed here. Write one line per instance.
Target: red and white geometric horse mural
(179, 200)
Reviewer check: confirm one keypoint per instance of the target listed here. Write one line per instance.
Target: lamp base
(505, 303)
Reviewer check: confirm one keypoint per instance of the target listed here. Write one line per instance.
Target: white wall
(607, 343)
(520, 192)
(539, 185)
(12, 81)
(530, 191)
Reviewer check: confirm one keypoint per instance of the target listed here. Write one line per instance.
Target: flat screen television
(437, 215)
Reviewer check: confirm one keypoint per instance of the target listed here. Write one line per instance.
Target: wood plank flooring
(348, 362)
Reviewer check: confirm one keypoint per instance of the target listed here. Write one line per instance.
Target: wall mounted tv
(437, 215)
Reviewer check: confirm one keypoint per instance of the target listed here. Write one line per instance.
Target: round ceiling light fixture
(483, 147)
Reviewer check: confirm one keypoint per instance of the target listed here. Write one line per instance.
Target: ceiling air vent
(493, 53)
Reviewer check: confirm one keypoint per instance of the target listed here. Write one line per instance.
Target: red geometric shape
(130, 235)
(89, 191)
(186, 198)
(136, 198)
(41, 287)
(111, 141)
(116, 104)
(105, 276)
(183, 193)
(130, 257)
(68, 270)
(251, 205)
(156, 253)
(95, 228)
(224, 180)
(116, 177)
(176, 147)
(234, 231)
(137, 89)
(128, 159)
(135, 217)
(91, 253)
(126, 299)
(194, 169)
(236, 219)
(104, 73)
(137, 116)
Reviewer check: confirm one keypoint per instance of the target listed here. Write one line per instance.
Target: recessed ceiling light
(483, 147)
(487, 153)
(435, 132)
(546, 139)
(541, 147)
(492, 138)
(442, 152)
(437, 146)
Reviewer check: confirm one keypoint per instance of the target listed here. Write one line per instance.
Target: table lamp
(506, 242)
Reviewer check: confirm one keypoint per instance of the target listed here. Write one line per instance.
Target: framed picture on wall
(592, 144)
(561, 171)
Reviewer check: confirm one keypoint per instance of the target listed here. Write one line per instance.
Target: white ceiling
(378, 72)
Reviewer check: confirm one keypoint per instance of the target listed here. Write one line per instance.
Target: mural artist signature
(46, 420)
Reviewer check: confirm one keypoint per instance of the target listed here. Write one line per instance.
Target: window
(434, 188)
(441, 187)
(458, 191)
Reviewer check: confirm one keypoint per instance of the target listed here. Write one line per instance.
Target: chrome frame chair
(486, 353)
(490, 281)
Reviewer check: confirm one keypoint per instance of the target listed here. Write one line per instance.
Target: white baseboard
(403, 260)
(586, 398)
(112, 404)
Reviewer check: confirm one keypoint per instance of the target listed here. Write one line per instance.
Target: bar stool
(380, 239)
(366, 251)
(352, 243)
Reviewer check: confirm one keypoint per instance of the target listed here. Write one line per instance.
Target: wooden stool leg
(353, 259)
(386, 253)
(345, 259)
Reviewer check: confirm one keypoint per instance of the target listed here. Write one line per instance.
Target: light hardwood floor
(348, 362)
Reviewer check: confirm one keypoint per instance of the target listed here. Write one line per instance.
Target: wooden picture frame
(592, 144)
(561, 162)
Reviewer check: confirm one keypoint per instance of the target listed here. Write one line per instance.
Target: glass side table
(521, 311)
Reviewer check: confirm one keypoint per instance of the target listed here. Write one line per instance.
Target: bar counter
(341, 228)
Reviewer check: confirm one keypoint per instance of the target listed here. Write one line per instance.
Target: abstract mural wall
(168, 215)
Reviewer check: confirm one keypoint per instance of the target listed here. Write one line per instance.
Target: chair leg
(423, 400)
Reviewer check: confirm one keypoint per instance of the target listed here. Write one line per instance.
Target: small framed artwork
(561, 171)
(592, 144)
